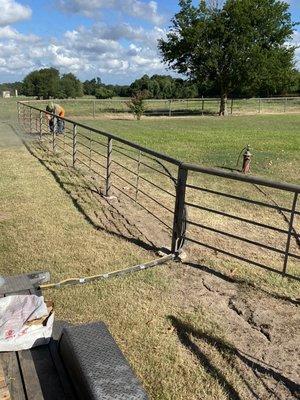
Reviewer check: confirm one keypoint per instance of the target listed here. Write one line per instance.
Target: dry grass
(174, 323)
(41, 229)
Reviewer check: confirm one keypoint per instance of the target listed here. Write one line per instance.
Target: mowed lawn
(217, 142)
(179, 344)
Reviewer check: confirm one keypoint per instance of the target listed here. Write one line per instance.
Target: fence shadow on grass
(238, 361)
(112, 220)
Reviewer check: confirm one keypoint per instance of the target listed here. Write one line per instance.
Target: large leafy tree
(44, 83)
(70, 86)
(242, 44)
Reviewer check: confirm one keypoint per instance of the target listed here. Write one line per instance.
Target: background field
(217, 142)
(87, 107)
(212, 330)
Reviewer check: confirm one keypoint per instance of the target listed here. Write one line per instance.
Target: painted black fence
(188, 201)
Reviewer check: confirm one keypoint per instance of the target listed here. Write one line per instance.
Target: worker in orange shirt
(56, 124)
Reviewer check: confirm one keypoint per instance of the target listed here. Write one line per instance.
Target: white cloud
(12, 11)
(296, 42)
(115, 51)
(101, 47)
(19, 53)
(134, 8)
(8, 32)
(64, 59)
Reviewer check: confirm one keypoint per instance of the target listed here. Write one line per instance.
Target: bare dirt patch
(261, 332)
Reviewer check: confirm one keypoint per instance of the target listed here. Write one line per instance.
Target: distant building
(6, 94)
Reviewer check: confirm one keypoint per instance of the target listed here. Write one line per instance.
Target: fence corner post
(179, 214)
(108, 167)
(74, 145)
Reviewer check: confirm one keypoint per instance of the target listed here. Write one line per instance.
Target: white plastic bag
(25, 322)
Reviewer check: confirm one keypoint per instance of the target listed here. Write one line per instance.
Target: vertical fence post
(231, 106)
(285, 104)
(41, 125)
(179, 214)
(202, 107)
(74, 145)
(90, 151)
(30, 120)
(94, 108)
(170, 108)
(36, 124)
(108, 167)
(53, 139)
(138, 175)
(19, 111)
(259, 105)
(288, 242)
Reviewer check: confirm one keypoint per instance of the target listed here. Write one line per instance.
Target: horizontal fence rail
(247, 218)
(176, 107)
(197, 226)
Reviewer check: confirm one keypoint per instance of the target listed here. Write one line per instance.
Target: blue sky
(113, 39)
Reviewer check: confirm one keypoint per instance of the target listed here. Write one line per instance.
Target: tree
(164, 87)
(70, 86)
(295, 87)
(104, 93)
(90, 87)
(240, 45)
(44, 83)
(136, 104)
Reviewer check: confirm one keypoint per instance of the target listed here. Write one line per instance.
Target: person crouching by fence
(56, 124)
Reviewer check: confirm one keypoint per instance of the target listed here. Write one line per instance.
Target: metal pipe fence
(177, 107)
(209, 208)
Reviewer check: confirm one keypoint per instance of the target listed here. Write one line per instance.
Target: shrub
(103, 93)
(136, 104)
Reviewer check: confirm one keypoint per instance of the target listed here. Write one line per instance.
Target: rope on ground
(120, 272)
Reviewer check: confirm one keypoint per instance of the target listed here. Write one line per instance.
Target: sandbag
(26, 321)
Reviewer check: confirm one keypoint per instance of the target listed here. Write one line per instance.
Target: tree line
(47, 83)
(237, 49)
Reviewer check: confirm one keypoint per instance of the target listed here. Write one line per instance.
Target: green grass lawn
(217, 142)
